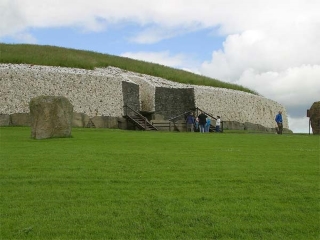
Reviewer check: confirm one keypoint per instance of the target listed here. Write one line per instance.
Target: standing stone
(51, 116)
(315, 117)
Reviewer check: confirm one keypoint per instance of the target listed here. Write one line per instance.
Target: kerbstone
(20, 119)
(4, 120)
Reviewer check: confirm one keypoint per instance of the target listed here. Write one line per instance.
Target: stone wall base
(233, 125)
(165, 125)
(4, 120)
(82, 120)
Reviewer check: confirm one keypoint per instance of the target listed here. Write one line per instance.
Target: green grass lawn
(115, 184)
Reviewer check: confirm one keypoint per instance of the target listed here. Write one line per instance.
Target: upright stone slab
(51, 116)
(315, 117)
(170, 102)
(4, 120)
(80, 119)
(20, 119)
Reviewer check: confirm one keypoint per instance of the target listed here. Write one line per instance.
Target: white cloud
(288, 86)
(281, 63)
(152, 35)
(231, 15)
(12, 18)
(25, 37)
(155, 34)
(164, 58)
(263, 51)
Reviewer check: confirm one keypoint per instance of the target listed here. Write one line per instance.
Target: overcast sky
(270, 46)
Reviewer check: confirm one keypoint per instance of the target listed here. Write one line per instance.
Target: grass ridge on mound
(66, 57)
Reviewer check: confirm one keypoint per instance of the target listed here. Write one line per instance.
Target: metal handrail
(198, 109)
(172, 119)
(126, 107)
(208, 114)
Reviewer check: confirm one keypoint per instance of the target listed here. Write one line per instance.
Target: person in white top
(218, 123)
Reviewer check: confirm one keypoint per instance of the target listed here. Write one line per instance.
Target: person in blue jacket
(190, 122)
(208, 123)
(278, 120)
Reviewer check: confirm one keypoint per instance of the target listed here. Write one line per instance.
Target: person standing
(196, 124)
(208, 124)
(218, 123)
(278, 120)
(202, 121)
(190, 122)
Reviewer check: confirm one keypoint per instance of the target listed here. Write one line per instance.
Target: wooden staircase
(138, 120)
(141, 122)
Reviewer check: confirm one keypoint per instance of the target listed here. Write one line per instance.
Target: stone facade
(239, 106)
(130, 93)
(90, 92)
(104, 91)
(172, 101)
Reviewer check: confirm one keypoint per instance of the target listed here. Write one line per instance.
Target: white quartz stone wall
(239, 106)
(100, 92)
(90, 92)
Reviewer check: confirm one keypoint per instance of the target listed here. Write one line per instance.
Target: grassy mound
(64, 57)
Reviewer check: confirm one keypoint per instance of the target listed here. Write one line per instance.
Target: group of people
(201, 123)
